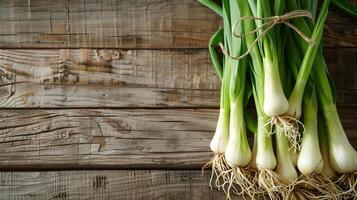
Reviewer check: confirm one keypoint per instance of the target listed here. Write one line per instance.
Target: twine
(267, 26)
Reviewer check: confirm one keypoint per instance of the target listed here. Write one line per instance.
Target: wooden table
(118, 99)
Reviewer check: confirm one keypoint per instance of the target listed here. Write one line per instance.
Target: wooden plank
(134, 78)
(121, 24)
(337, 35)
(107, 78)
(342, 68)
(105, 138)
(107, 184)
(113, 138)
(105, 24)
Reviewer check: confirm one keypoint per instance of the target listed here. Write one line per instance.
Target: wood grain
(113, 138)
(109, 86)
(107, 78)
(105, 24)
(124, 24)
(134, 78)
(105, 138)
(107, 184)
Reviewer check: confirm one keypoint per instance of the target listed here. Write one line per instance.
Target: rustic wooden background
(121, 95)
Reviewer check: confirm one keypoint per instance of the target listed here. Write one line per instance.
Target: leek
(267, 57)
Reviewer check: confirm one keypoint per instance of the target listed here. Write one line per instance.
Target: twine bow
(267, 26)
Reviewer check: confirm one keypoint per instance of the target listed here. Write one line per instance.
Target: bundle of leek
(264, 44)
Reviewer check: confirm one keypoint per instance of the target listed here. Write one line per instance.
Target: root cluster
(290, 126)
(265, 184)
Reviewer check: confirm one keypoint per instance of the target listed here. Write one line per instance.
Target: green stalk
(256, 61)
(310, 158)
(238, 152)
(296, 96)
(250, 122)
(310, 5)
(227, 25)
(327, 170)
(342, 155)
(216, 38)
(285, 167)
(220, 138)
(275, 102)
(280, 33)
(318, 73)
(263, 154)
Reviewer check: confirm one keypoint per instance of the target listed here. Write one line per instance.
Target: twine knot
(269, 23)
(278, 20)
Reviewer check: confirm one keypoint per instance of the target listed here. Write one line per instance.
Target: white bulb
(295, 104)
(328, 171)
(220, 139)
(343, 156)
(265, 158)
(237, 153)
(275, 102)
(284, 168)
(310, 157)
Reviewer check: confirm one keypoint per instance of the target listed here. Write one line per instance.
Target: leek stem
(284, 168)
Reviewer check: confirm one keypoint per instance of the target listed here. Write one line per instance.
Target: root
(222, 173)
(318, 186)
(246, 179)
(290, 126)
(265, 183)
(301, 194)
(271, 185)
(348, 185)
(219, 169)
(237, 181)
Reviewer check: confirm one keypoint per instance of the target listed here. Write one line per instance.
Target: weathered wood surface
(107, 138)
(133, 78)
(124, 24)
(107, 184)
(107, 78)
(36, 133)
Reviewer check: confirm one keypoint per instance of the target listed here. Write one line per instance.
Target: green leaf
(216, 38)
(238, 78)
(250, 122)
(213, 6)
(311, 52)
(227, 25)
(266, 12)
(257, 97)
(248, 92)
(236, 45)
(253, 7)
(310, 5)
(332, 87)
(279, 6)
